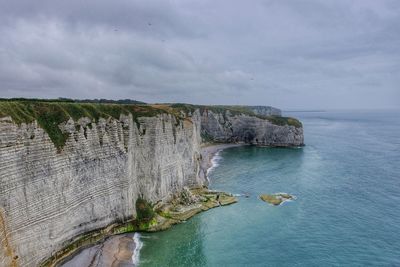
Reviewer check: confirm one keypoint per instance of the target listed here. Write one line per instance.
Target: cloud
(291, 54)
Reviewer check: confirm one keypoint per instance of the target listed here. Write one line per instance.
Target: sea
(346, 180)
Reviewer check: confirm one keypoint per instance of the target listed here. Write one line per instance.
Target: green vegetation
(144, 210)
(278, 120)
(237, 110)
(125, 228)
(145, 215)
(146, 221)
(165, 214)
(50, 114)
(81, 241)
(234, 110)
(146, 225)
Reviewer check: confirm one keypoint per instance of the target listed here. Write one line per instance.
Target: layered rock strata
(228, 128)
(49, 196)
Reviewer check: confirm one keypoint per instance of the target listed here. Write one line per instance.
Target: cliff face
(48, 197)
(225, 127)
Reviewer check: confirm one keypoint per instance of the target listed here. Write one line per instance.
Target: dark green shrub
(144, 210)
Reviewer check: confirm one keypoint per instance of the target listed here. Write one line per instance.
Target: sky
(297, 54)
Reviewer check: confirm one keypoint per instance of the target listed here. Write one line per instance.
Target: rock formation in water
(60, 180)
(276, 199)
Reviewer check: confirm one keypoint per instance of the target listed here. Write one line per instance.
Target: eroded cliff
(226, 127)
(50, 194)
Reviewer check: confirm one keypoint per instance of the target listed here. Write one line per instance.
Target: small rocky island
(276, 199)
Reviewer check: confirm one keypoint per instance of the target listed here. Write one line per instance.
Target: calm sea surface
(347, 212)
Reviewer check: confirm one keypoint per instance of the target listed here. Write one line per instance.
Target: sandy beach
(116, 251)
(207, 154)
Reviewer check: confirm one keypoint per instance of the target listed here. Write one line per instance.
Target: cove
(346, 212)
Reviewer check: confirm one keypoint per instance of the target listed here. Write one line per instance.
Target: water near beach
(347, 212)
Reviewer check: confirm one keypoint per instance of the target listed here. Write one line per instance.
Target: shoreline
(115, 251)
(208, 152)
(120, 245)
(125, 254)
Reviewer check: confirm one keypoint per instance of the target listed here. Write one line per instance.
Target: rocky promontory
(72, 173)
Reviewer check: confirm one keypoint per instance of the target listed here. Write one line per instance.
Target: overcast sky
(298, 54)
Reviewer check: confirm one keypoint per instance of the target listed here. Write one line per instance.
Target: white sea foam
(214, 163)
(286, 200)
(136, 251)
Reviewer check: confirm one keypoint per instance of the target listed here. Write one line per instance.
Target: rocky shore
(116, 246)
(118, 250)
(115, 251)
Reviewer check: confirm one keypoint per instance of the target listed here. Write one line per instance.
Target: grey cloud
(134, 15)
(291, 54)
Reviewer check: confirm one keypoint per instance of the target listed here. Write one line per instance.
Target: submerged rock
(276, 199)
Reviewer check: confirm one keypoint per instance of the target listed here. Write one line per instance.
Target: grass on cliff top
(237, 110)
(50, 114)
(234, 110)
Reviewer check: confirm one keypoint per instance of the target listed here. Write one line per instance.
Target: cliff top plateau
(50, 113)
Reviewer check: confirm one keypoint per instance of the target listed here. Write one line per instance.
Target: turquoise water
(347, 212)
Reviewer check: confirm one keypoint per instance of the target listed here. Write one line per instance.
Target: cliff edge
(68, 169)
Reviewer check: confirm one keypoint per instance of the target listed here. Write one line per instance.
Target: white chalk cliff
(48, 197)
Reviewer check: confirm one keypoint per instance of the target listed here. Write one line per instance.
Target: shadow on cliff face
(249, 136)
